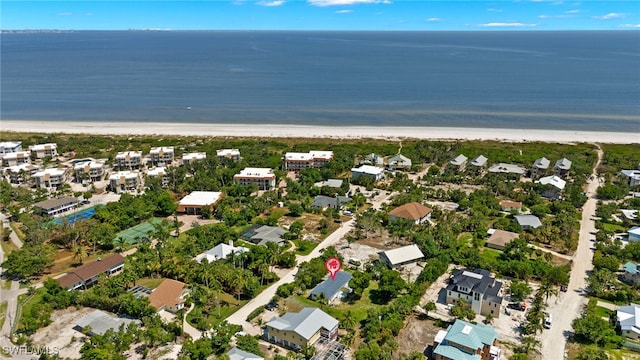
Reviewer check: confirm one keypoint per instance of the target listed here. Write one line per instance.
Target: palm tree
(529, 343)
(547, 289)
(79, 254)
(348, 321)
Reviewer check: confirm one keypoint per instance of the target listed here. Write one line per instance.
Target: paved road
(568, 305)
(240, 316)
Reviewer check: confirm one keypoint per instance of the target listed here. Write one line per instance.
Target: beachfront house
(562, 167)
(373, 160)
(628, 321)
(263, 178)
(161, 156)
(305, 328)
(478, 164)
(169, 295)
(16, 158)
(540, 167)
(552, 186)
(129, 160)
(466, 341)
(7, 147)
(41, 151)
(478, 288)
(399, 162)
(193, 203)
(228, 154)
(414, 212)
(20, 174)
(459, 162)
(88, 172)
(51, 178)
(507, 169)
(56, 206)
(294, 161)
(87, 275)
(632, 176)
(193, 157)
(367, 171)
(124, 181)
(404, 255)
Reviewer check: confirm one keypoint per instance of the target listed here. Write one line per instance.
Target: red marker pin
(333, 265)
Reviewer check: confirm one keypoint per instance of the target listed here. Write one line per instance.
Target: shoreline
(312, 131)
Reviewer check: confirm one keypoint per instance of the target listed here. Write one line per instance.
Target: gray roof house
(507, 169)
(332, 183)
(373, 159)
(220, 251)
(399, 162)
(295, 330)
(237, 354)
(99, 322)
(562, 167)
(323, 202)
(633, 176)
(553, 186)
(56, 205)
(401, 256)
(629, 321)
(477, 288)
(528, 221)
(262, 234)
(459, 161)
(331, 289)
(479, 161)
(540, 166)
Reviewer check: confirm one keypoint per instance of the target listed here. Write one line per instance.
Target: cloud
(434, 19)
(506, 24)
(66, 13)
(270, 3)
(494, 10)
(323, 3)
(610, 16)
(574, 11)
(630, 26)
(565, 15)
(344, 11)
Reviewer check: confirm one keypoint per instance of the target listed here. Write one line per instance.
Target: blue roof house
(466, 341)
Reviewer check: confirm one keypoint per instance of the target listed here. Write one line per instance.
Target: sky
(320, 15)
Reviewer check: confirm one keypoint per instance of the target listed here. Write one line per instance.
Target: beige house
(161, 156)
(42, 151)
(192, 157)
(500, 238)
(124, 181)
(50, 178)
(264, 178)
(193, 203)
(89, 171)
(296, 330)
(294, 161)
(129, 160)
(476, 287)
(161, 173)
(16, 158)
(231, 154)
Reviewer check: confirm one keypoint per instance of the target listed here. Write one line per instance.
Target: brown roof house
(414, 211)
(500, 238)
(169, 295)
(508, 205)
(86, 275)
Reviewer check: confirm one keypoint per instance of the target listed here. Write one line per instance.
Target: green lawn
(211, 315)
(25, 302)
(490, 254)
(603, 312)
(304, 247)
(614, 227)
(150, 283)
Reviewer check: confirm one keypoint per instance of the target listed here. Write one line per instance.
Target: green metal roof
(453, 352)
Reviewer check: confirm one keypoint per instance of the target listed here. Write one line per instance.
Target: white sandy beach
(303, 131)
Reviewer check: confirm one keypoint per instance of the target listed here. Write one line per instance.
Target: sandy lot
(60, 332)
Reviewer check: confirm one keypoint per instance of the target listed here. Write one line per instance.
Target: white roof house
(554, 181)
(541, 163)
(237, 354)
(563, 164)
(157, 171)
(257, 173)
(633, 176)
(99, 322)
(127, 175)
(10, 146)
(296, 156)
(528, 221)
(402, 255)
(367, 170)
(16, 158)
(161, 150)
(228, 153)
(629, 320)
(459, 160)
(306, 323)
(44, 150)
(186, 158)
(480, 161)
(50, 172)
(201, 198)
(507, 169)
(314, 158)
(220, 251)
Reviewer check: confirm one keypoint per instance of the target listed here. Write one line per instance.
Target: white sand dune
(303, 131)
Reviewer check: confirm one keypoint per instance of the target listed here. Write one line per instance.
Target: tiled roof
(412, 211)
(167, 294)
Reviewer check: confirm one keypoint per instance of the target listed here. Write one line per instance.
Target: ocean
(588, 80)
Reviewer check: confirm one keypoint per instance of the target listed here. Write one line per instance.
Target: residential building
(633, 176)
(332, 289)
(554, 186)
(193, 157)
(20, 174)
(528, 222)
(466, 341)
(398, 257)
(161, 156)
(332, 183)
(7, 147)
(399, 162)
(220, 252)
(169, 295)
(16, 158)
(193, 203)
(478, 289)
(99, 322)
(56, 206)
(263, 234)
(230, 154)
(628, 319)
(631, 273)
(86, 275)
(499, 239)
(562, 167)
(509, 206)
(414, 212)
(129, 160)
(88, 172)
(323, 202)
(479, 162)
(372, 159)
(42, 151)
(540, 167)
(160, 173)
(313, 159)
(297, 330)
(367, 171)
(629, 214)
(507, 169)
(264, 178)
(237, 354)
(634, 233)
(459, 162)
(50, 178)
(123, 181)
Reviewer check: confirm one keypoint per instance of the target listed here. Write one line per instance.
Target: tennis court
(77, 216)
(134, 234)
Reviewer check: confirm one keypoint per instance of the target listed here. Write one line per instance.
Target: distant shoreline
(304, 131)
